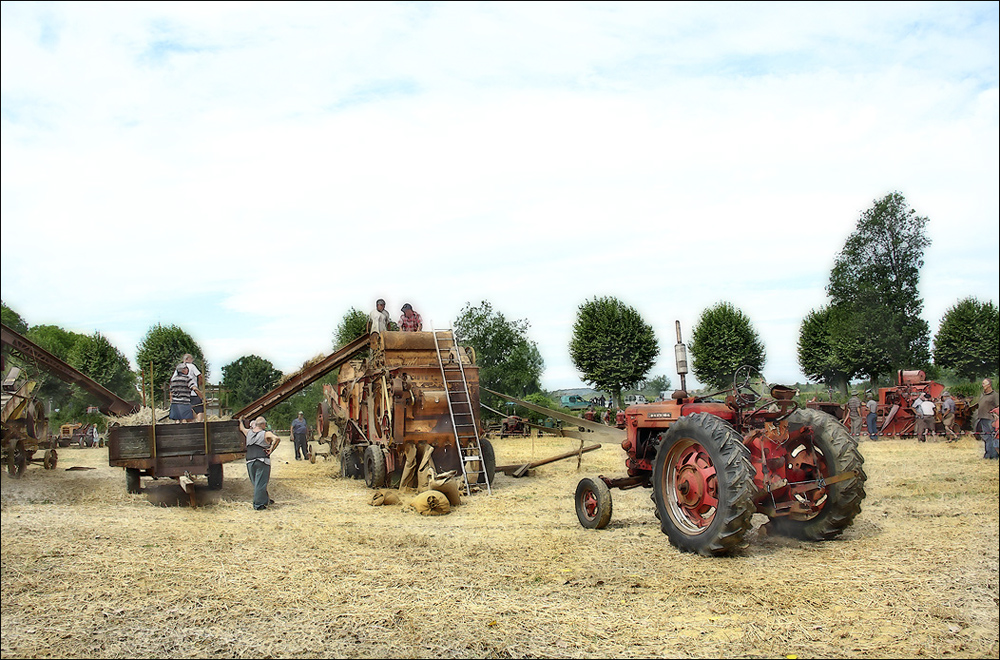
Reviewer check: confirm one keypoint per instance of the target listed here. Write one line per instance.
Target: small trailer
(181, 451)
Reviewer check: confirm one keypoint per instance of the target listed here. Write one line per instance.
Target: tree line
(870, 327)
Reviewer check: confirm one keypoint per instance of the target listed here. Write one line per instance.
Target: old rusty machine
(712, 464)
(413, 402)
(895, 405)
(25, 425)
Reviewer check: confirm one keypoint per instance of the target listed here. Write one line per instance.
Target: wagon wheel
(17, 459)
(50, 459)
(374, 466)
(323, 419)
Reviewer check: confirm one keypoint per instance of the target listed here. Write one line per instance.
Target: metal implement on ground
(712, 464)
(24, 422)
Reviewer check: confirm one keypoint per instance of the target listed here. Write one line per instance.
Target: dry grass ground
(90, 571)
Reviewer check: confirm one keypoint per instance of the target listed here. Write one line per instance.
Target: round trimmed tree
(724, 340)
(612, 346)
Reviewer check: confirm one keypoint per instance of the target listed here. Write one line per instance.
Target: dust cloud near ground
(91, 571)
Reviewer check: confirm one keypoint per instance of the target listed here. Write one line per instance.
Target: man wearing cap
(854, 412)
(948, 416)
(929, 409)
(299, 428)
(181, 386)
(872, 418)
(410, 321)
(197, 403)
(261, 443)
(378, 318)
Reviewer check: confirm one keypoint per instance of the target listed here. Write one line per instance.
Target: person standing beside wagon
(261, 443)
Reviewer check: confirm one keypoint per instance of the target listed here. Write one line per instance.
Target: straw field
(91, 571)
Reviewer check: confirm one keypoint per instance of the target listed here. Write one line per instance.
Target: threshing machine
(412, 403)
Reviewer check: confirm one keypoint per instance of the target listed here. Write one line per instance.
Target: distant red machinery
(895, 404)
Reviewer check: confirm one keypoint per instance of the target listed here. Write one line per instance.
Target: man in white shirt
(378, 319)
(928, 409)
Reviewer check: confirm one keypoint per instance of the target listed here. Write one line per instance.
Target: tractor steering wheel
(743, 392)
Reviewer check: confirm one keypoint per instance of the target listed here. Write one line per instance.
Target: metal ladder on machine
(463, 420)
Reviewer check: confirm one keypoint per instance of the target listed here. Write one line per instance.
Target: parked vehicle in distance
(573, 402)
(634, 399)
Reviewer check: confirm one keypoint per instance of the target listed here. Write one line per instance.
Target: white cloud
(310, 158)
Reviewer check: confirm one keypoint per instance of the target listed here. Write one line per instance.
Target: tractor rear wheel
(836, 453)
(593, 503)
(703, 485)
(374, 466)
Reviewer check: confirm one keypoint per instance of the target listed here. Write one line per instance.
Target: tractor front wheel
(703, 486)
(374, 466)
(839, 502)
(593, 503)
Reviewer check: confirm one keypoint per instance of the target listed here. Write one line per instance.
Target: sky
(250, 172)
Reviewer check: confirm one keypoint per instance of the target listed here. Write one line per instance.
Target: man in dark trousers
(299, 429)
(261, 443)
(984, 419)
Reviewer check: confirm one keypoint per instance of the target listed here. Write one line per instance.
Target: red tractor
(713, 464)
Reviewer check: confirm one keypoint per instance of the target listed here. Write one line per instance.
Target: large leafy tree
(612, 346)
(508, 361)
(722, 341)
(12, 319)
(817, 352)
(350, 328)
(874, 290)
(160, 351)
(60, 343)
(249, 378)
(968, 340)
(96, 357)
